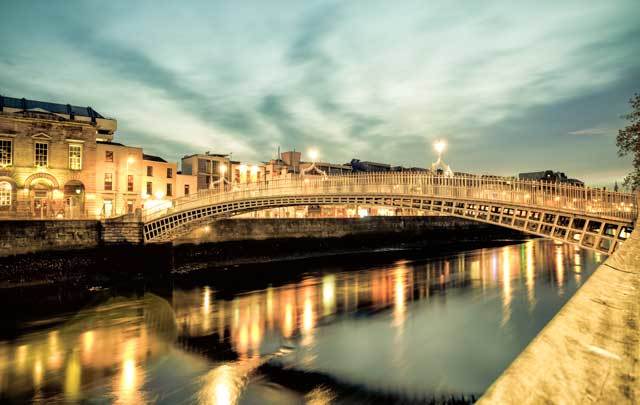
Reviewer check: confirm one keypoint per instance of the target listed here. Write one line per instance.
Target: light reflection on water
(440, 326)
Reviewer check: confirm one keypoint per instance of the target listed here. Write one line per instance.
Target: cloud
(593, 132)
(354, 79)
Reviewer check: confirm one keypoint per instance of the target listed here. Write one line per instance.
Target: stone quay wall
(227, 230)
(32, 236)
(589, 353)
(27, 236)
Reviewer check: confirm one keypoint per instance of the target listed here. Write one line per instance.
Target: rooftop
(44, 106)
(153, 158)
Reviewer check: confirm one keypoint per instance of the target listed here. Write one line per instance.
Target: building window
(108, 181)
(108, 208)
(108, 156)
(5, 194)
(149, 188)
(6, 152)
(130, 183)
(42, 154)
(130, 206)
(169, 190)
(150, 171)
(169, 172)
(186, 189)
(75, 157)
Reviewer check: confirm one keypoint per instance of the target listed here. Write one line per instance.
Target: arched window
(5, 194)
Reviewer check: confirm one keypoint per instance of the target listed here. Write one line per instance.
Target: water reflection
(124, 350)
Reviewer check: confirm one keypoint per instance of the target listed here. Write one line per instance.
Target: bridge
(587, 217)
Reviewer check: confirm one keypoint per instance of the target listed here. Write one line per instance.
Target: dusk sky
(512, 87)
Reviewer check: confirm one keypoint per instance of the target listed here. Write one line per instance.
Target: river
(403, 328)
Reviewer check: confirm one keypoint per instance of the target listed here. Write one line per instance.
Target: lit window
(169, 190)
(42, 154)
(129, 183)
(150, 171)
(108, 156)
(6, 152)
(5, 194)
(169, 172)
(149, 188)
(75, 157)
(108, 181)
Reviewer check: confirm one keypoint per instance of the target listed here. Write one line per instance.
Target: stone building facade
(48, 158)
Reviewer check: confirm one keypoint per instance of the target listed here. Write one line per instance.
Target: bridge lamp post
(313, 155)
(440, 146)
(243, 173)
(223, 178)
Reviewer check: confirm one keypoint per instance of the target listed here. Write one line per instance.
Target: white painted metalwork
(593, 218)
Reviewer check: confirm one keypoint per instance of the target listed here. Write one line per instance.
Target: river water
(402, 328)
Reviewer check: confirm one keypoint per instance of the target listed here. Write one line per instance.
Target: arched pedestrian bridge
(591, 218)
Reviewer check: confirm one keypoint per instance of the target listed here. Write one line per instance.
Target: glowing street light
(313, 154)
(439, 146)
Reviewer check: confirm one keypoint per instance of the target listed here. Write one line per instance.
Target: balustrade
(526, 193)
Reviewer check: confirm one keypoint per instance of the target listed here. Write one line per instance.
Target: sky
(512, 86)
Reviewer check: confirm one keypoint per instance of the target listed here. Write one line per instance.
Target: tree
(628, 142)
(615, 186)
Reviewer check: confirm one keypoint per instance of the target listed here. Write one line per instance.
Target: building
(360, 166)
(118, 179)
(48, 158)
(59, 161)
(211, 169)
(550, 176)
(246, 173)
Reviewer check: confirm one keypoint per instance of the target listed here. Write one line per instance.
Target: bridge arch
(590, 218)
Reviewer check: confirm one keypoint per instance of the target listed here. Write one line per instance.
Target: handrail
(525, 193)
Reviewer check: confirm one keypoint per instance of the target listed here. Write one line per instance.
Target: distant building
(550, 176)
(210, 169)
(364, 166)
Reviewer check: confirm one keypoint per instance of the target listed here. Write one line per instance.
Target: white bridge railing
(574, 199)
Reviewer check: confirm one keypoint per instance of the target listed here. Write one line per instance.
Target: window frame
(80, 156)
(35, 153)
(149, 171)
(109, 182)
(169, 190)
(130, 181)
(10, 155)
(6, 194)
(149, 188)
(169, 172)
(108, 156)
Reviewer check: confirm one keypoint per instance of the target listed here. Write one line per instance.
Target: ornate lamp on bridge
(223, 178)
(440, 166)
(313, 155)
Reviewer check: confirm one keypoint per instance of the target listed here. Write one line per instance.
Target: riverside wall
(19, 237)
(589, 353)
(227, 230)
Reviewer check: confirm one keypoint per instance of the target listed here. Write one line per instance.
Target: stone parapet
(590, 351)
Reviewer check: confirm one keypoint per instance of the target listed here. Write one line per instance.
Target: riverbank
(101, 264)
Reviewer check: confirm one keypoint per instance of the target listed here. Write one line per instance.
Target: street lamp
(313, 155)
(223, 179)
(439, 146)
